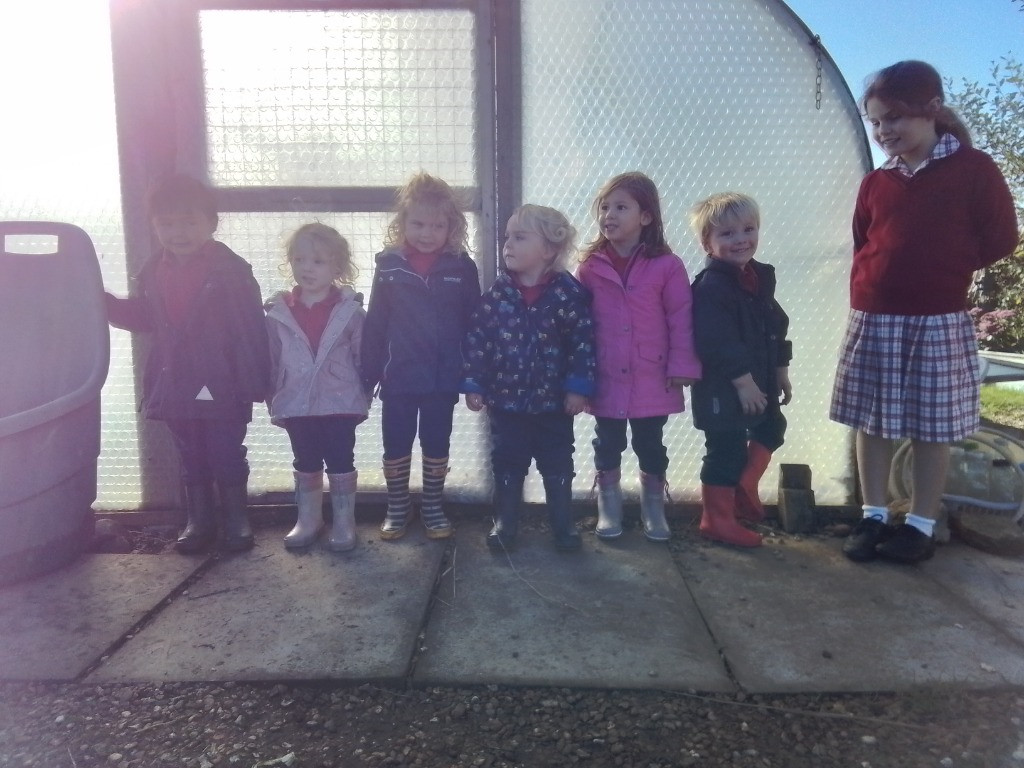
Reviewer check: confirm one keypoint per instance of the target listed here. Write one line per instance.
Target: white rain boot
(609, 504)
(343, 505)
(652, 507)
(309, 499)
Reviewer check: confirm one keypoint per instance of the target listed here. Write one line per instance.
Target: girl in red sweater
(935, 212)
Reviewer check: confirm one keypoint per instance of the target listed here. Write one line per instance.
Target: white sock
(876, 512)
(923, 524)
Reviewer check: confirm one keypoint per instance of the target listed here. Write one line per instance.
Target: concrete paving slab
(615, 615)
(796, 615)
(991, 585)
(270, 614)
(55, 626)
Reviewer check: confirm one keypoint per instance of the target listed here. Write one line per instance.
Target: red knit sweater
(917, 241)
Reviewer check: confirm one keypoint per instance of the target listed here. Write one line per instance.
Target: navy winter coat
(735, 333)
(222, 345)
(525, 359)
(412, 338)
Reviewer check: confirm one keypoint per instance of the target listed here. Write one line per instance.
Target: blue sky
(961, 39)
(958, 37)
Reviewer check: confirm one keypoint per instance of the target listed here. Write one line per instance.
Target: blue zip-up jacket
(412, 338)
(525, 359)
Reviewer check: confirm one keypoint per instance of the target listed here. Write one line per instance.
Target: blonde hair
(424, 189)
(326, 240)
(713, 211)
(553, 227)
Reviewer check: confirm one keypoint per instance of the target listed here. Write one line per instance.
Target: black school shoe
(907, 545)
(865, 537)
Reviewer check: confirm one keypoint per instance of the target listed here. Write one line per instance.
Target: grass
(1003, 406)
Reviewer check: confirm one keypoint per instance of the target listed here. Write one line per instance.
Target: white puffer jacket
(328, 383)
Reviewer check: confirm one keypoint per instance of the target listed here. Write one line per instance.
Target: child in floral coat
(530, 359)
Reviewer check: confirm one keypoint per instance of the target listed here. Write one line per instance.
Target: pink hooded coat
(644, 335)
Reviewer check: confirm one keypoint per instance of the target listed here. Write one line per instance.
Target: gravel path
(207, 725)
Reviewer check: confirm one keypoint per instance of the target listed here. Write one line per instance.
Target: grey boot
(558, 492)
(508, 498)
(201, 529)
(652, 507)
(609, 504)
(343, 506)
(237, 532)
(309, 500)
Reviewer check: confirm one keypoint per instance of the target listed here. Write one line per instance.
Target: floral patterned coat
(525, 359)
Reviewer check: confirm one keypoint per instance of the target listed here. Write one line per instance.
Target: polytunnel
(318, 109)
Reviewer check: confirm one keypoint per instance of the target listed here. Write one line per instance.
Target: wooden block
(797, 510)
(795, 476)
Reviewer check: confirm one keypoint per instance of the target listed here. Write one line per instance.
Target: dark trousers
(211, 449)
(399, 416)
(725, 450)
(647, 443)
(519, 438)
(323, 440)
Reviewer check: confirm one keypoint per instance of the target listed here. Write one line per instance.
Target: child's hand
(752, 399)
(575, 404)
(785, 387)
(474, 401)
(678, 382)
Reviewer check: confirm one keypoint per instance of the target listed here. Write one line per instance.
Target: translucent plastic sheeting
(707, 97)
(702, 96)
(339, 98)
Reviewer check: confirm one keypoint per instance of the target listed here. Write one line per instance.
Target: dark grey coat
(735, 333)
(222, 345)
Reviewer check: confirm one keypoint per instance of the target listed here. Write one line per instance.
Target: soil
(190, 725)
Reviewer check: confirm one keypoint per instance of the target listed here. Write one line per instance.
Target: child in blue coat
(425, 286)
(530, 359)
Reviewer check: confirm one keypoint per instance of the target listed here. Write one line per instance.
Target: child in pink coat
(645, 349)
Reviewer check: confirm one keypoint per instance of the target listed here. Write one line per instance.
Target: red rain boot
(719, 519)
(748, 503)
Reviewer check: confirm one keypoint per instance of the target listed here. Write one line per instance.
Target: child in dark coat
(425, 286)
(209, 360)
(740, 333)
(530, 359)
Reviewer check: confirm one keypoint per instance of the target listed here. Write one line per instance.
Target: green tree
(995, 114)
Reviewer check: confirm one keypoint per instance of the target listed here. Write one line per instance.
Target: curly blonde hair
(432, 192)
(713, 211)
(553, 226)
(327, 240)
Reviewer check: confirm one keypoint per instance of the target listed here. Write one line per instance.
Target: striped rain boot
(396, 475)
(436, 524)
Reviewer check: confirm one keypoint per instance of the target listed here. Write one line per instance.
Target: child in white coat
(315, 334)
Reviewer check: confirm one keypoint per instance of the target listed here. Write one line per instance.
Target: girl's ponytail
(948, 121)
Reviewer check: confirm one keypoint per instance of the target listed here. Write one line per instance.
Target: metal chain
(816, 42)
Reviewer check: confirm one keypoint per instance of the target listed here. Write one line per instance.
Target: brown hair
(912, 86)
(178, 193)
(642, 189)
(424, 189)
(328, 240)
